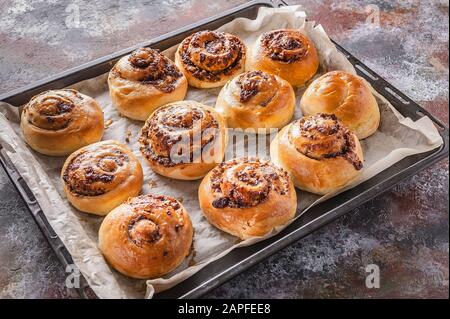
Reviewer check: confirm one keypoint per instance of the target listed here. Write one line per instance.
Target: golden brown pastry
(319, 152)
(144, 80)
(209, 58)
(346, 95)
(147, 236)
(101, 176)
(184, 140)
(287, 53)
(256, 99)
(59, 122)
(247, 197)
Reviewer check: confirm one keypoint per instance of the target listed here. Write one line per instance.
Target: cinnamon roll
(247, 197)
(184, 140)
(209, 58)
(144, 80)
(101, 176)
(147, 236)
(287, 53)
(320, 153)
(346, 95)
(59, 122)
(256, 100)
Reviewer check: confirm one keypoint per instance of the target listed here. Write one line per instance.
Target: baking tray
(239, 259)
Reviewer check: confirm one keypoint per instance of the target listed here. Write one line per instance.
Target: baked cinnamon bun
(184, 140)
(247, 197)
(209, 58)
(287, 53)
(147, 236)
(59, 122)
(256, 100)
(144, 80)
(101, 176)
(346, 95)
(320, 153)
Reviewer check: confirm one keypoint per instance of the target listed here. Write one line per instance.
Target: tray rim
(56, 243)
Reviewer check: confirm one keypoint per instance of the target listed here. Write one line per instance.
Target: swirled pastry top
(243, 183)
(60, 110)
(346, 95)
(149, 214)
(208, 55)
(256, 100)
(149, 66)
(255, 87)
(147, 236)
(323, 136)
(98, 169)
(247, 197)
(285, 46)
(287, 53)
(177, 127)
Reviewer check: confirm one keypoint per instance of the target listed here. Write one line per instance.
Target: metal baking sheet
(239, 259)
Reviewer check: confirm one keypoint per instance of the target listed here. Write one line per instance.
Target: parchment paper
(396, 138)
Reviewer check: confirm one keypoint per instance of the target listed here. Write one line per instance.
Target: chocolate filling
(51, 109)
(250, 185)
(157, 69)
(86, 175)
(146, 224)
(284, 46)
(326, 133)
(233, 59)
(173, 127)
(250, 84)
(142, 230)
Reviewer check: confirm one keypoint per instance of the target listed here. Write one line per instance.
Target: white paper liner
(396, 138)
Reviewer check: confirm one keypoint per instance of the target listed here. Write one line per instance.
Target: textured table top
(405, 231)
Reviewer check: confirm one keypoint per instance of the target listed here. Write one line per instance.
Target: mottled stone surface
(404, 231)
